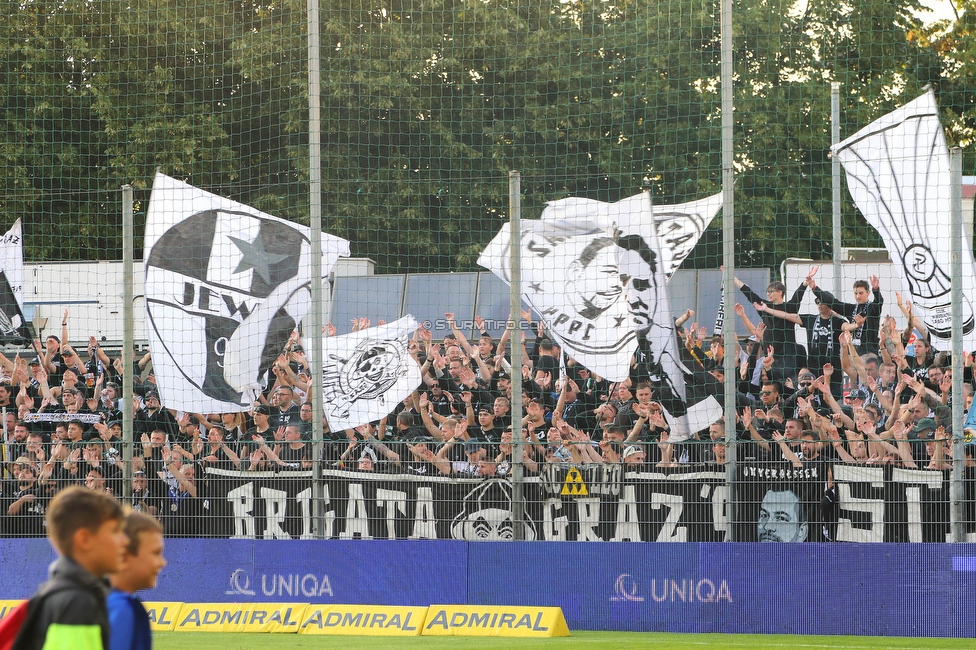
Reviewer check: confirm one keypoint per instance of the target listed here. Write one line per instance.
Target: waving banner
(571, 276)
(652, 242)
(225, 286)
(12, 261)
(898, 175)
(367, 373)
(13, 328)
(676, 227)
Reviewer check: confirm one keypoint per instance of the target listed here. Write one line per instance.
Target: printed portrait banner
(12, 261)
(571, 277)
(587, 503)
(225, 286)
(677, 228)
(898, 175)
(368, 373)
(652, 242)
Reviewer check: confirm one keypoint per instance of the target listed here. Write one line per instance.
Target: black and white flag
(12, 260)
(368, 373)
(225, 286)
(13, 328)
(677, 227)
(645, 262)
(571, 276)
(898, 175)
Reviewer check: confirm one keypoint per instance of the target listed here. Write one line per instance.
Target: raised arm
(777, 313)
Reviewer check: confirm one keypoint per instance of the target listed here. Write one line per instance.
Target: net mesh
(426, 108)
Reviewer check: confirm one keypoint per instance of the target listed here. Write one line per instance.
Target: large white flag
(225, 286)
(898, 175)
(571, 276)
(677, 227)
(653, 241)
(368, 373)
(12, 260)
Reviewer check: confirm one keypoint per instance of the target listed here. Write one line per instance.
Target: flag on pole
(225, 286)
(368, 373)
(677, 227)
(13, 328)
(571, 276)
(12, 261)
(631, 267)
(898, 175)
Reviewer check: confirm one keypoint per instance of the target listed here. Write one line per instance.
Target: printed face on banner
(781, 517)
(571, 276)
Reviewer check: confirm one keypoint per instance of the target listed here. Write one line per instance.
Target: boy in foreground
(85, 527)
(142, 562)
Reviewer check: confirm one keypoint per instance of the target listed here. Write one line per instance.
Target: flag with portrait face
(225, 286)
(571, 277)
(368, 373)
(652, 243)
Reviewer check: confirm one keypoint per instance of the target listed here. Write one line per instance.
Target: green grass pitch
(586, 640)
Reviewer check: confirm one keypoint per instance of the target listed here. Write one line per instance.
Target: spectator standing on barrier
(183, 509)
(779, 334)
(865, 312)
(295, 453)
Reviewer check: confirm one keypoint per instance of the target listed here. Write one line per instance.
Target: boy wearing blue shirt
(142, 562)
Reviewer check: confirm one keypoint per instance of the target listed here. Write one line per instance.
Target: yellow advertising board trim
(366, 620)
(7, 606)
(492, 620)
(162, 616)
(358, 620)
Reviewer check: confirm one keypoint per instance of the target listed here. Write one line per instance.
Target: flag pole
(835, 183)
(314, 320)
(128, 341)
(515, 320)
(728, 258)
(958, 490)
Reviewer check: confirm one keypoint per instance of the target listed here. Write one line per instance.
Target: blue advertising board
(851, 589)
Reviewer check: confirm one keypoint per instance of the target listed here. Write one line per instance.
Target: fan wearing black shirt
(823, 337)
(287, 411)
(294, 452)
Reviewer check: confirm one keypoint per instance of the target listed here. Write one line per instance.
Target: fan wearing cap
(261, 432)
(633, 457)
(153, 416)
(864, 314)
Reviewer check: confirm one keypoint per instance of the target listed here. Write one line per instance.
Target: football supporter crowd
(860, 392)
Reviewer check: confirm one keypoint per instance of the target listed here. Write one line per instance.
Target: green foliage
(428, 104)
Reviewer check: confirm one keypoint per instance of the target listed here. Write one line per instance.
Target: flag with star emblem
(571, 276)
(225, 286)
(649, 247)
